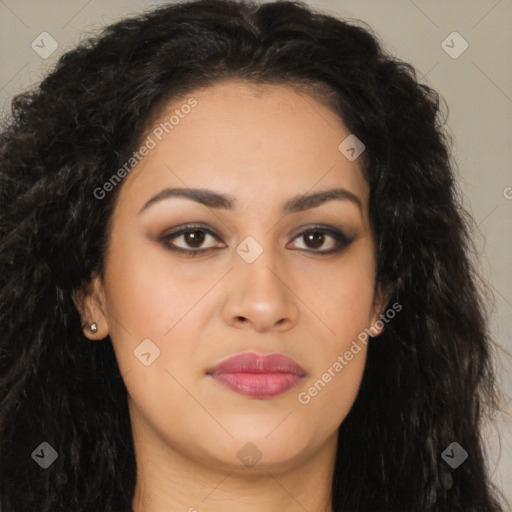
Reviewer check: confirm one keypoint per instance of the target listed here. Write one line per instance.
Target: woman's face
(260, 281)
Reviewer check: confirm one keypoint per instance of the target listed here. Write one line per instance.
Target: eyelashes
(315, 235)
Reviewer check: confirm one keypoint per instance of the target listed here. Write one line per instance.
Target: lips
(257, 375)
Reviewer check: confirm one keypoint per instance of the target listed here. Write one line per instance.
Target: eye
(316, 237)
(194, 236)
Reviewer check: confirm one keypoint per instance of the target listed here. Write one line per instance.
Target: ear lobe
(89, 301)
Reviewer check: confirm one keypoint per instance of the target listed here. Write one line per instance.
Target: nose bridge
(260, 259)
(262, 251)
(258, 292)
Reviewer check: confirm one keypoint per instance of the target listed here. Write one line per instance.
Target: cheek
(148, 299)
(145, 291)
(342, 299)
(331, 393)
(341, 296)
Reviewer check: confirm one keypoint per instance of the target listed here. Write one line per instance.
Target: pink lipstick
(258, 376)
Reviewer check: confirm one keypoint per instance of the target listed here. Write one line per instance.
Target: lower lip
(258, 385)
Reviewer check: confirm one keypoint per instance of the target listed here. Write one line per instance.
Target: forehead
(267, 140)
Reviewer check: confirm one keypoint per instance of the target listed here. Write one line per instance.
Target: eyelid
(185, 229)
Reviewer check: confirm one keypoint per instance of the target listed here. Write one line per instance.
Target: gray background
(477, 86)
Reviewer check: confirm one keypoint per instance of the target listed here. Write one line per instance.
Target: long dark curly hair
(429, 379)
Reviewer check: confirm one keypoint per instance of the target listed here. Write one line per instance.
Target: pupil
(315, 235)
(195, 241)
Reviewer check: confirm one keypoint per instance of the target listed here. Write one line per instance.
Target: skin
(262, 145)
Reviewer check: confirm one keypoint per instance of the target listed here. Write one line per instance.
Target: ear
(90, 303)
(380, 302)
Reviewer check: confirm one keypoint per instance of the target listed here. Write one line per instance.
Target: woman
(235, 274)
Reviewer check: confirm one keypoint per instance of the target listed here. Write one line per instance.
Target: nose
(260, 295)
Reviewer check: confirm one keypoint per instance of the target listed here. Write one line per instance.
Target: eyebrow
(213, 199)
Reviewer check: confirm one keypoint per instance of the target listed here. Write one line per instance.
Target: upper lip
(250, 362)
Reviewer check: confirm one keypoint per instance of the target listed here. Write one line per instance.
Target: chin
(259, 453)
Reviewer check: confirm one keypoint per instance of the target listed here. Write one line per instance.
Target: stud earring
(93, 327)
